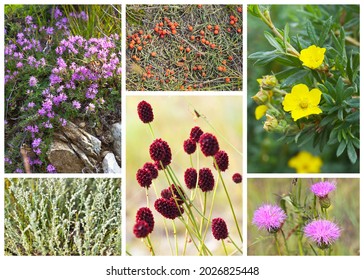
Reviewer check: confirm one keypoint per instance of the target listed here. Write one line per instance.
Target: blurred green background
(173, 120)
(265, 153)
(344, 211)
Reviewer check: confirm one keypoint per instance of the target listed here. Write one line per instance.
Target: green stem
(229, 200)
(300, 247)
(277, 244)
(223, 244)
(150, 245)
(175, 236)
(285, 242)
(235, 245)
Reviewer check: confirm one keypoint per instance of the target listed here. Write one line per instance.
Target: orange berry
(194, 68)
(232, 22)
(161, 24)
(181, 48)
(240, 9)
(209, 27)
(199, 67)
(156, 29)
(216, 32)
(192, 38)
(139, 48)
(212, 46)
(131, 46)
(239, 30)
(190, 28)
(227, 80)
(228, 30)
(219, 68)
(141, 32)
(153, 54)
(230, 57)
(199, 6)
(188, 49)
(174, 31)
(223, 62)
(207, 42)
(164, 32)
(232, 17)
(203, 40)
(202, 32)
(217, 27)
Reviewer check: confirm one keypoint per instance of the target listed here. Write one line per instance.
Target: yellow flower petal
(312, 57)
(301, 102)
(304, 162)
(260, 111)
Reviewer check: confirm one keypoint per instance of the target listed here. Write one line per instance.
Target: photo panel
(183, 175)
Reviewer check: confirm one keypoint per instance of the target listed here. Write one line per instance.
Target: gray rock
(110, 165)
(116, 134)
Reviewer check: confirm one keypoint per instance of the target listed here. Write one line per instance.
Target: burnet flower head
(322, 190)
(323, 232)
(269, 217)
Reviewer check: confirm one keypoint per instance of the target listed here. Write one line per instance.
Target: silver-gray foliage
(62, 217)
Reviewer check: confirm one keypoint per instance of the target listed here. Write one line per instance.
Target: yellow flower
(304, 162)
(312, 57)
(301, 102)
(260, 111)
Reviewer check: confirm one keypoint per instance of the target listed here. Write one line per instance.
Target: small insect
(95, 66)
(47, 47)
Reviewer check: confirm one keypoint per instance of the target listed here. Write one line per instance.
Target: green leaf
(333, 137)
(340, 114)
(285, 73)
(341, 148)
(352, 153)
(297, 77)
(325, 31)
(353, 117)
(311, 33)
(258, 55)
(273, 41)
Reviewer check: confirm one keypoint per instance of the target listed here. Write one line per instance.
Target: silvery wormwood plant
(62, 217)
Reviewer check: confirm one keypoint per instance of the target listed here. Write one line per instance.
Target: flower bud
(325, 202)
(269, 82)
(262, 97)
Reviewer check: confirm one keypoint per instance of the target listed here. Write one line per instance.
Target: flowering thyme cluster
(174, 201)
(71, 77)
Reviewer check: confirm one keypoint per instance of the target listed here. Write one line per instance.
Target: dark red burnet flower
(190, 177)
(219, 229)
(189, 146)
(152, 169)
(209, 144)
(145, 112)
(237, 178)
(206, 180)
(166, 193)
(145, 214)
(141, 229)
(195, 134)
(222, 160)
(173, 193)
(160, 152)
(168, 208)
(144, 178)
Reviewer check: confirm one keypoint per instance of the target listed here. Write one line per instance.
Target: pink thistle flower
(322, 189)
(322, 232)
(269, 217)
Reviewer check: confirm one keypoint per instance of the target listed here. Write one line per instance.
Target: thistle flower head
(206, 180)
(322, 232)
(190, 177)
(209, 144)
(322, 189)
(269, 217)
(145, 112)
(219, 229)
(222, 160)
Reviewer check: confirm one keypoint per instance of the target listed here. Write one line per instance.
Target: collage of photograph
(180, 130)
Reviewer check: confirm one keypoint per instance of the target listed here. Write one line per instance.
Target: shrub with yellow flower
(305, 162)
(312, 57)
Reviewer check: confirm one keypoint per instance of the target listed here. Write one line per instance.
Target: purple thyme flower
(51, 169)
(19, 170)
(36, 142)
(322, 189)
(76, 104)
(33, 81)
(323, 232)
(269, 217)
(31, 104)
(28, 20)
